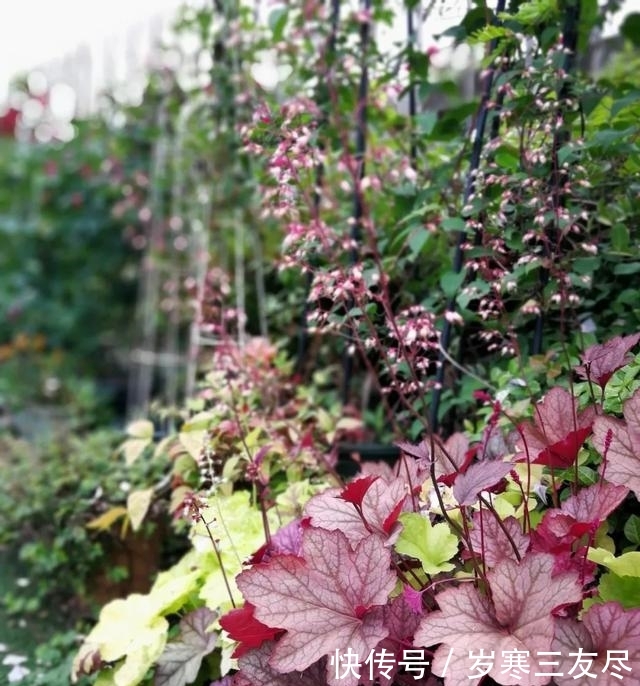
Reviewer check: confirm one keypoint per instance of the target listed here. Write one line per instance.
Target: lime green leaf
(192, 442)
(348, 424)
(620, 237)
(141, 428)
(426, 121)
(125, 625)
(132, 448)
(489, 33)
(433, 545)
(508, 157)
(623, 589)
(106, 520)
(417, 240)
(277, 22)
(239, 530)
(173, 587)
(624, 565)
(149, 646)
(105, 678)
(198, 422)
(137, 505)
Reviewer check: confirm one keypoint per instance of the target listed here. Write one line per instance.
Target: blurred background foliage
(121, 247)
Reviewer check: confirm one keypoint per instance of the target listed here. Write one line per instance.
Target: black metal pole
(458, 257)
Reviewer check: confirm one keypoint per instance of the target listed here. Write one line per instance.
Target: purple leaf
(180, 662)
(479, 477)
(600, 362)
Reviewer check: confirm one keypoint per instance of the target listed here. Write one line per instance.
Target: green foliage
(48, 494)
(541, 237)
(433, 545)
(58, 230)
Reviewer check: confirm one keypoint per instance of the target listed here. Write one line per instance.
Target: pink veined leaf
(618, 442)
(595, 503)
(381, 505)
(479, 477)
(493, 445)
(402, 616)
(421, 451)
(452, 458)
(520, 618)
(255, 670)
(558, 430)
(413, 599)
(490, 541)
(402, 623)
(180, 662)
(580, 514)
(606, 629)
(225, 681)
(414, 472)
(331, 599)
(601, 362)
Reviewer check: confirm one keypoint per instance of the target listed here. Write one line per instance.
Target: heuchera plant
(456, 567)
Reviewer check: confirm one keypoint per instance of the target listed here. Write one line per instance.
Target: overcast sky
(33, 32)
(37, 31)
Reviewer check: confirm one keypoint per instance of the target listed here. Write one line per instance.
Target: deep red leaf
(562, 454)
(600, 362)
(355, 491)
(580, 515)
(242, 626)
(558, 431)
